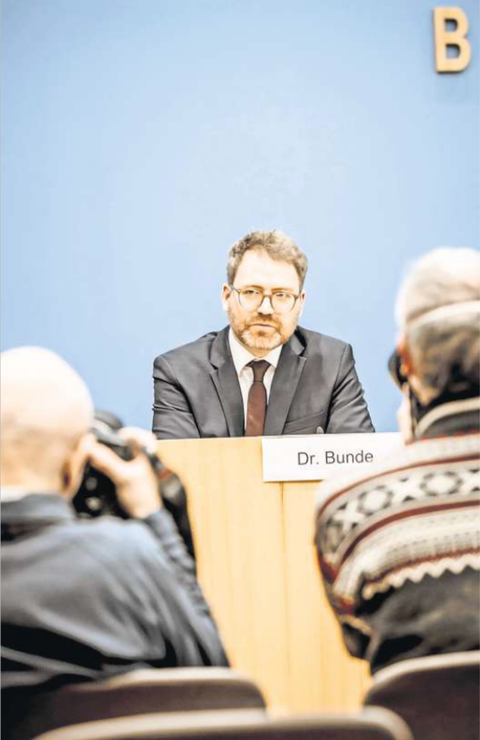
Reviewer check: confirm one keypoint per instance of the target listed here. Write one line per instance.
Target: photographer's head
(46, 417)
(438, 313)
(46, 412)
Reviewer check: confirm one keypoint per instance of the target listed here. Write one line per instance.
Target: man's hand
(137, 485)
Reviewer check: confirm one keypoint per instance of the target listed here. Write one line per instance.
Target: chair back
(138, 692)
(370, 724)
(437, 696)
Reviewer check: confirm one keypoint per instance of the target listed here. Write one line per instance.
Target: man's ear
(301, 301)
(403, 350)
(408, 369)
(226, 293)
(75, 465)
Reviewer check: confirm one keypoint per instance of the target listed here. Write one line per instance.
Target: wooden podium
(257, 567)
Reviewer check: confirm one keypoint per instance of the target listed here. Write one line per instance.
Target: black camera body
(97, 494)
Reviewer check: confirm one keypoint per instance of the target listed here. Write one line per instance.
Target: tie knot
(259, 368)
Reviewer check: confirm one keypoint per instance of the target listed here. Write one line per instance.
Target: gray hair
(444, 345)
(276, 244)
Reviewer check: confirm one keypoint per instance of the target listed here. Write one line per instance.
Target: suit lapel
(224, 377)
(285, 381)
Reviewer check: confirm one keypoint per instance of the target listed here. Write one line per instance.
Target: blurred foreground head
(438, 314)
(46, 412)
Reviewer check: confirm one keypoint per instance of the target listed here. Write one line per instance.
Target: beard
(256, 337)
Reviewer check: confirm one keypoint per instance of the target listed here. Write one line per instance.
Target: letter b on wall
(445, 38)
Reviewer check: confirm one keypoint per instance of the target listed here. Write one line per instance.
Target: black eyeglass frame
(270, 297)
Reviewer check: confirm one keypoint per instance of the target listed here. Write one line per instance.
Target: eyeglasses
(252, 298)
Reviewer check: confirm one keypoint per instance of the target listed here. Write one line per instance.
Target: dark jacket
(197, 393)
(86, 599)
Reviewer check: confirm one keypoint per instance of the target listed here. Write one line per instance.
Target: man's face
(262, 329)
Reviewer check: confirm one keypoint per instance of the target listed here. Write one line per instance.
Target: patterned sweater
(399, 548)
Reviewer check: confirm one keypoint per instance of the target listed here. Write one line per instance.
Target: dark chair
(437, 696)
(371, 724)
(134, 693)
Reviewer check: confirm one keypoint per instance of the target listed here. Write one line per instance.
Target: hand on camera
(136, 483)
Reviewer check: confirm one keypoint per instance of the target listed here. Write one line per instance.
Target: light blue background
(141, 138)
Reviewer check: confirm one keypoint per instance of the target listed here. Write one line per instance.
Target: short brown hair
(276, 244)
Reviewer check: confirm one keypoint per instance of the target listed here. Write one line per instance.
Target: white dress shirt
(241, 357)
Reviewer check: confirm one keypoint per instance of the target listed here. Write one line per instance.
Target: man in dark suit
(263, 374)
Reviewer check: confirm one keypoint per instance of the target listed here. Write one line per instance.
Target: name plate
(319, 456)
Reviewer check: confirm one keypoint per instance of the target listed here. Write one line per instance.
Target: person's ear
(406, 367)
(226, 293)
(301, 301)
(423, 393)
(73, 469)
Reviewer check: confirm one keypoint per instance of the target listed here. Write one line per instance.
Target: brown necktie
(257, 399)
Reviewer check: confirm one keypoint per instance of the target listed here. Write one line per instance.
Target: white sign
(319, 456)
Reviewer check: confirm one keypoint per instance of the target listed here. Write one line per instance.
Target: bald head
(46, 411)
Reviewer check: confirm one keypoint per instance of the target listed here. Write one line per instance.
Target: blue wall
(141, 138)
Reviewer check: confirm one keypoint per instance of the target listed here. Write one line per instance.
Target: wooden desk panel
(322, 673)
(257, 567)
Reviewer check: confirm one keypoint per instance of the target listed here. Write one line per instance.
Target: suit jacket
(197, 393)
(86, 599)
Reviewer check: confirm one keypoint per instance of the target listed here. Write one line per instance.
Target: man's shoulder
(108, 540)
(130, 532)
(104, 542)
(199, 349)
(318, 343)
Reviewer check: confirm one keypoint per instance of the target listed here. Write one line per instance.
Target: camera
(97, 494)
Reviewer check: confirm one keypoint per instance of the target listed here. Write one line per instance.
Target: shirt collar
(241, 356)
(450, 418)
(37, 507)
(12, 493)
